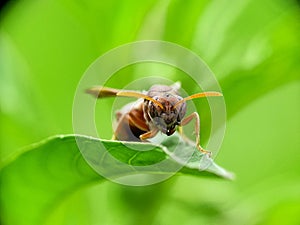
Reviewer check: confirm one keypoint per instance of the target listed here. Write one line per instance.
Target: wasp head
(164, 115)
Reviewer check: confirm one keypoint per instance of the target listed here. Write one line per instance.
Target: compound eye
(181, 112)
(154, 110)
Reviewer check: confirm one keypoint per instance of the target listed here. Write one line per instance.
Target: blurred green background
(252, 46)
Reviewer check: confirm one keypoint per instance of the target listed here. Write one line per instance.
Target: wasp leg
(149, 134)
(188, 119)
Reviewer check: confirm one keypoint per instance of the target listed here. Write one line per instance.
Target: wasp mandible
(159, 109)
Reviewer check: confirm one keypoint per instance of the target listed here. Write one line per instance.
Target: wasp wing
(103, 92)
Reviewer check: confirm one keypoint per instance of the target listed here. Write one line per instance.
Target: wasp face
(167, 118)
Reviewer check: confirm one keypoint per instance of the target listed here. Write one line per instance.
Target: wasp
(160, 109)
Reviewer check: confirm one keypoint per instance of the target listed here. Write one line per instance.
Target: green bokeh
(253, 48)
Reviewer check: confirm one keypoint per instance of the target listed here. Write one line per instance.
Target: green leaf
(35, 181)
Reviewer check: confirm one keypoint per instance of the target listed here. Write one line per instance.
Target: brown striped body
(131, 124)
